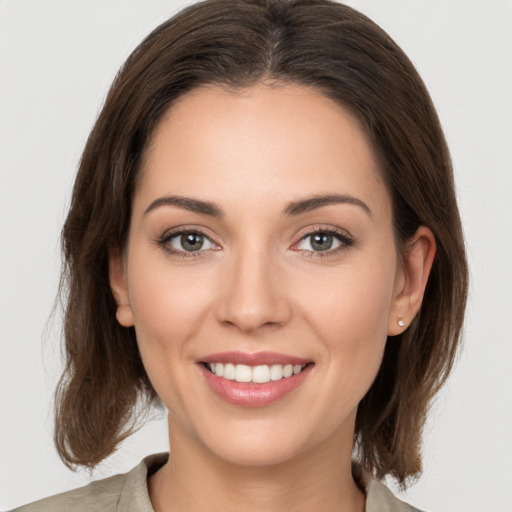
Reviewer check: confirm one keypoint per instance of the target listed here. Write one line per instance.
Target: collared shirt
(129, 493)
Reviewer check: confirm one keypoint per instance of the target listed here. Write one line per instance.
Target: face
(261, 245)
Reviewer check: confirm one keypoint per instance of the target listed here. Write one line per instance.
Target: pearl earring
(401, 322)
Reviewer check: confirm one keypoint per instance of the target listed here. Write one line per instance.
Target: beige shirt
(129, 493)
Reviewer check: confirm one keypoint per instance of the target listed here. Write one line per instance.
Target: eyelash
(165, 239)
(345, 242)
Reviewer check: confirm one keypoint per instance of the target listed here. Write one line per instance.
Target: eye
(324, 241)
(319, 242)
(186, 242)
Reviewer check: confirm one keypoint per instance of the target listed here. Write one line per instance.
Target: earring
(401, 321)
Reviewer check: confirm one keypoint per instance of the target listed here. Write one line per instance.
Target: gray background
(57, 59)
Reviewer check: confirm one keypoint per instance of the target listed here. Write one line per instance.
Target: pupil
(321, 242)
(191, 241)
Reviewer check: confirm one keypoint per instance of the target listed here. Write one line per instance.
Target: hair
(237, 43)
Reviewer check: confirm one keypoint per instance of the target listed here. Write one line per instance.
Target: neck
(196, 479)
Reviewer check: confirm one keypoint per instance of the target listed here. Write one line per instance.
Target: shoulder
(381, 499)
(98, 495)
(378, 497)
(120, 493)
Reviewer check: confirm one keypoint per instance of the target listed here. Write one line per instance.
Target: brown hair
(236, 43)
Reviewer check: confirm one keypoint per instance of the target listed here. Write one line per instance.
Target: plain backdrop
(57, 59)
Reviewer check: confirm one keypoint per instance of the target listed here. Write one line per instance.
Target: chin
(259, 442)
(255, 452)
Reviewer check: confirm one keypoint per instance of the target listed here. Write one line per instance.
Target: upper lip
(253, 359)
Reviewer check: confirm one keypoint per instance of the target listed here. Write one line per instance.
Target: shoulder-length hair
(237, 43)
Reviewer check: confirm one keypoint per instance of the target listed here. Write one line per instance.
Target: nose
(253, 293)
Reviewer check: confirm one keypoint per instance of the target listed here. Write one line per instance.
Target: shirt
(128, 492)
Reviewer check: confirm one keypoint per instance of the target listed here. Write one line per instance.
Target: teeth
(229, 371)
(243, 373)
(258, 374)
(276, 372)
(261, 374)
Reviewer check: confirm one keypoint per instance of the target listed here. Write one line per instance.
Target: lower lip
(250, 394)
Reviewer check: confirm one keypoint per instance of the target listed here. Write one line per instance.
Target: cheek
(168, 306)
(348, 310)
(353, 302)
(167, 303)
(350, 320)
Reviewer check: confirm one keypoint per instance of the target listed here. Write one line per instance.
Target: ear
(119, 287)
(411, 280)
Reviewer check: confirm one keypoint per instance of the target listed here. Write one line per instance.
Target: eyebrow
(312, 203)
(187, 203)
(293, 208)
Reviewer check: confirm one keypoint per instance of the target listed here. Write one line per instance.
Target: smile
(256, 374)
(254, 380)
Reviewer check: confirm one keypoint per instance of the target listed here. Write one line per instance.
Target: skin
(260, 286)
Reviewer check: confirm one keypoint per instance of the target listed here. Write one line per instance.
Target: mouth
(253, 380)
(260, 374)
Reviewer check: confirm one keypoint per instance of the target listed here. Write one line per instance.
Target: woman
(264, 239)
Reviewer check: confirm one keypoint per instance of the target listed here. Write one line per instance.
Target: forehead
(260, 144)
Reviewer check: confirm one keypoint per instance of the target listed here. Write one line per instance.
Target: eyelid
(346, 240)
(163, 241)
